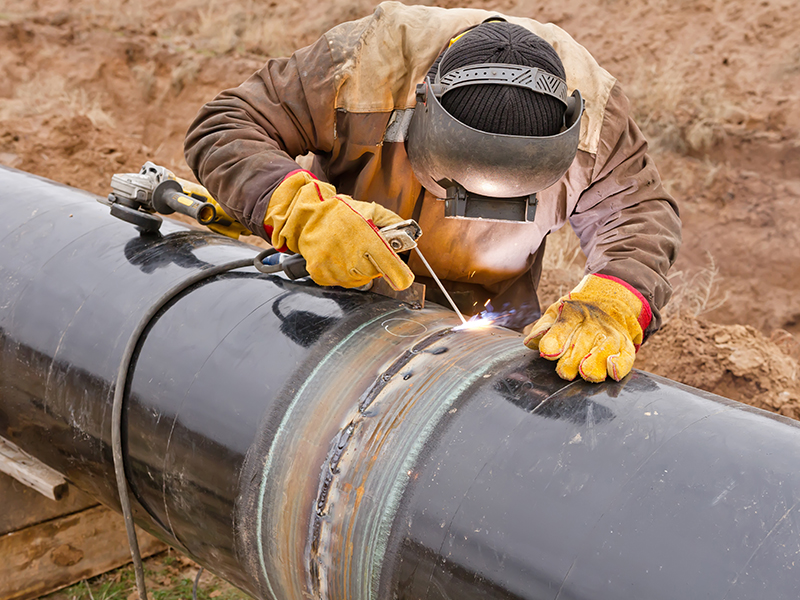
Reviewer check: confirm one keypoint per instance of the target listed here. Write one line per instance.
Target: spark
(482, 320)
(475, 322)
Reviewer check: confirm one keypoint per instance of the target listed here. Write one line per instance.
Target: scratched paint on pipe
(290, 478)
(382, 445)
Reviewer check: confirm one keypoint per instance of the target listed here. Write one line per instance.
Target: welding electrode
(441, 287)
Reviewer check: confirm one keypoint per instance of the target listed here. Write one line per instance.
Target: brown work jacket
(346, 99)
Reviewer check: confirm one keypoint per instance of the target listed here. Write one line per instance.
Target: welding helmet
(482, 174)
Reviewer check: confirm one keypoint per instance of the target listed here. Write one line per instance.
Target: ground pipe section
(308, 442)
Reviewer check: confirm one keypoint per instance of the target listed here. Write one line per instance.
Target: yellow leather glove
(338, 236)
(595, 330)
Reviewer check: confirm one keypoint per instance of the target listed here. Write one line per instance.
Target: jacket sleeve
(629, 226)
(243, 143)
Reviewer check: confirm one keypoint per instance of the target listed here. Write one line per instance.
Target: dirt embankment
(735, 361)
(94, 87)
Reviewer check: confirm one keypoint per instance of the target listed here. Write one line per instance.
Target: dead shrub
(695, 293)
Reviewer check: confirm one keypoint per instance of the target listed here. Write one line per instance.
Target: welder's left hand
(595, 330)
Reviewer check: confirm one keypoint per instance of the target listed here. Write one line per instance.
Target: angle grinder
(139, 198)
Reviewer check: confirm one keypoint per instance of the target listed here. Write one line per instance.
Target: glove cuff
(279, 207)
(646, 313)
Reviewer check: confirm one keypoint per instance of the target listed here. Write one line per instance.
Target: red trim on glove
(319, 192)
(646, 315)
(269, 229)
(290, 173)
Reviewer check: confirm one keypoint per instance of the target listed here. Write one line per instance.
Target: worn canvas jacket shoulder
(345, 101)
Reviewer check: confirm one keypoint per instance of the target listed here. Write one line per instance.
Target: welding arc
(441, 287)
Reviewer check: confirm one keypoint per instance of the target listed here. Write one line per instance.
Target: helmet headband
(532, 78)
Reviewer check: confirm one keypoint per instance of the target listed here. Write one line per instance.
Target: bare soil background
(94, 87)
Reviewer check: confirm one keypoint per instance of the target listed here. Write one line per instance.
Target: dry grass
(49, 93)
(184, 74)
(212, 27)
(145, 76)
(695, 293)
(169, 576)
(690, 118)
(223, 28)
(563, 251)
(262, 27)
(673, 114)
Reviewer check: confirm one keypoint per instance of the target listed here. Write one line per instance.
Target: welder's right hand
(338, 236)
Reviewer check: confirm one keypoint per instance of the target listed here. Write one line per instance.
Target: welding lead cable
(196, 581)
(119, 393)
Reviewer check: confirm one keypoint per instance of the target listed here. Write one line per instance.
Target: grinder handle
(168, 197)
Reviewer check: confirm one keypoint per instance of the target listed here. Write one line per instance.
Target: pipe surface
(316, 442)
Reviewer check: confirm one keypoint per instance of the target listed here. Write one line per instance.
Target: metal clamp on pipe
(400, 237)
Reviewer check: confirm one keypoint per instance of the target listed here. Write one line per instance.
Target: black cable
(116, 408)
(196, 581)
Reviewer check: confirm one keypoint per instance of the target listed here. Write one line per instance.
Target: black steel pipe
(308, 442)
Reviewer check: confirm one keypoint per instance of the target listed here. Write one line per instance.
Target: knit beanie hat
(496, 108)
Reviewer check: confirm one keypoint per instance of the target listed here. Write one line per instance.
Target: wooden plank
(46, 557)
(31, 471)
(21, 507)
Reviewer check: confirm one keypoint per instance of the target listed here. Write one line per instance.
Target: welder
(491, 131)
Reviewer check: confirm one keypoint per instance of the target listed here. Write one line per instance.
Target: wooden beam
(49, 556)
(21, 507)
(31, 471)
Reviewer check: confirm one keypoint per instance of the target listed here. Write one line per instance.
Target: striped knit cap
(496, 108)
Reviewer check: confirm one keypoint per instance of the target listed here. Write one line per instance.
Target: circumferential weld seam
(281, 428)
(339, 444)
(372, 392)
